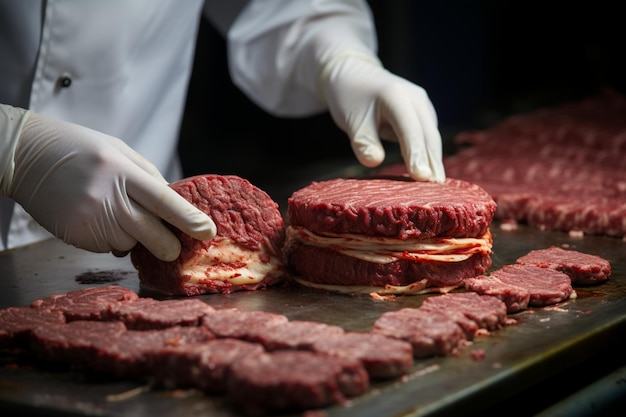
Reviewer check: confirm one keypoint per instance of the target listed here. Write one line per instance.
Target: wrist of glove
(369, 103)
(96, 193)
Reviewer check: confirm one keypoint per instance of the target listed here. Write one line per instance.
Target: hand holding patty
(92, 190)
(369, 103)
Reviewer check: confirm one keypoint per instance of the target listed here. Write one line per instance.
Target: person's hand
(369, 103)
(94, 192)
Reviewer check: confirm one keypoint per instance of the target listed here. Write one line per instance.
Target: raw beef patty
(582, 268)
(388, 234)
(244, 254)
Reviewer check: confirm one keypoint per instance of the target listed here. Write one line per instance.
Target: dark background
(478, 60)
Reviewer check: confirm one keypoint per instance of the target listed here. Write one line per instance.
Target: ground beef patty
(88, 303)
(511, 283)
(388, 234)
(18, 323)
(382, 357)
(294, 380)
(148, 314)
(487, 312)
(244, 254)
(582, 268)
(393, 207)
(430, 333)
(200, 365)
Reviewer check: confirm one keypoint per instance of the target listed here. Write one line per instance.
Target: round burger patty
(393, 207)
(241, 211)
(246, 252)
(393, 234)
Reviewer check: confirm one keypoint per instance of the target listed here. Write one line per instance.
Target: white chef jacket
(122, 67)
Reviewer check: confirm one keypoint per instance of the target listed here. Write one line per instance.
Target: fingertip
(201, 226)
(437, 168)
(162, 242)
(440, 174)
(169, 252)
(369, 154)
(419, 174)
(422, 172)
(207, 233)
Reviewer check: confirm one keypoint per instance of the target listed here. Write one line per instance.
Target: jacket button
(65, 80)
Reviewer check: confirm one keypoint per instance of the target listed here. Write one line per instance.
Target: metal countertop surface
(544, 342)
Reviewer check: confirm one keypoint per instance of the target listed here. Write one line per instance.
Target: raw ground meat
(200, 365)
(546, 286)
(18, 323)
(531, 190)
(594, 216)
(487, 312)
(582, 268)
(392, 207)
(596, 122)
(294, 334)
(88, 303)
(128, 354)
(74, 343)
(326, 266)
(261, 361)
(515, 298)
(294, 380)
(528, 169)
(383, 357)
(558, 168)
(148, 313)
(430, 333)
(243, 214)
(574, 154)
(240, 324)
(469, 326)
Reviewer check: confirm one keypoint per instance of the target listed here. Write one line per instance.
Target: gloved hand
(369, 103)
(298, 58)
(96, 193)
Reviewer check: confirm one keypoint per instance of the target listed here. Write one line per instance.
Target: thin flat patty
(393, 207)
(582, 268)
(86, 304)
(546, 286)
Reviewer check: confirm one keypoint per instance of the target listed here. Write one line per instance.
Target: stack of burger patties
(388, 235)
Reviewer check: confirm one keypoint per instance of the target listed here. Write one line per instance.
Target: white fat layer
(386, 250)
(226, 261)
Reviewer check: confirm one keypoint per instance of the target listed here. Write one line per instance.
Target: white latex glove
(95, 192)
(369, 103)
(301, 57)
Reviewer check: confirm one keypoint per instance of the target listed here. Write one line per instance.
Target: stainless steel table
(562, 343)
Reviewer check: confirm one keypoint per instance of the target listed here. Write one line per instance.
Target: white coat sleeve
(272, 59)
(11, 123)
